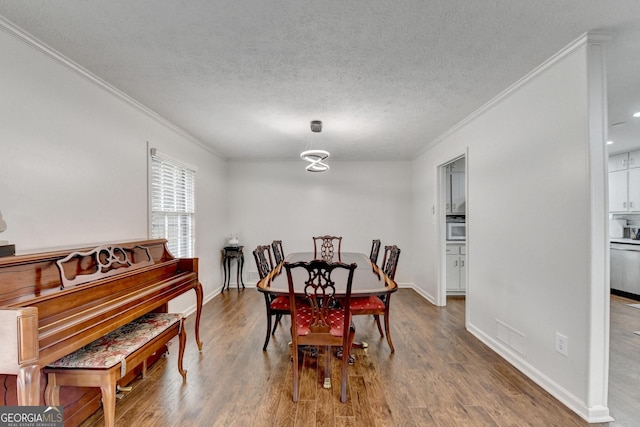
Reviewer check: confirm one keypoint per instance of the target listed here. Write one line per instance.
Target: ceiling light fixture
(315, 158)
(636, 114)
(609, 142)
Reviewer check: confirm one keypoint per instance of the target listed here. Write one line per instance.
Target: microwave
(456, 230)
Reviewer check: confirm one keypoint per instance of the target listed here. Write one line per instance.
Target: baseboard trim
(598, 414)
(419, 291)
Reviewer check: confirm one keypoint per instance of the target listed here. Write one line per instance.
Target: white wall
(532, 194)
(360, 201)
(73, 162)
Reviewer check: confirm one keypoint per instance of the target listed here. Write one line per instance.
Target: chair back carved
(375, 250)
(278, 252)
(390, 261)
(325, 247)
(262, 255)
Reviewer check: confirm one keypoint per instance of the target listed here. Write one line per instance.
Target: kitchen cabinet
(618, 162)
(624, 184)
(618, 191)
(634, 159)
(455, 187)
(456, 271)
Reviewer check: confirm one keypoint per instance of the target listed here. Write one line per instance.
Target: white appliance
(457, 230)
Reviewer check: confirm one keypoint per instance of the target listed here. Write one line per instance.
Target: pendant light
(315, 158)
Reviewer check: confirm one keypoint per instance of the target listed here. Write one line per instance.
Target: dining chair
(278, 255)
(325, 246)
(317, 316)
(379, 305)
(278, 252)
(375, 249)
(276, 305)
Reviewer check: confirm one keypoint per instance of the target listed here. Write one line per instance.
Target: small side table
(229, 253)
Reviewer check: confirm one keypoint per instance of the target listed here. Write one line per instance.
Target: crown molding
(26, 38)
(594, 37)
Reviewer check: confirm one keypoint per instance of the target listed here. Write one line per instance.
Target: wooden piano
(53, 303)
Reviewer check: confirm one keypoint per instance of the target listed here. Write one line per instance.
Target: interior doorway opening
(453, 223)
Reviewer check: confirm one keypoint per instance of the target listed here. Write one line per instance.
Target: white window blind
(173, 204)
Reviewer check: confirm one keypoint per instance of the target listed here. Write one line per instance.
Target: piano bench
(104, 361)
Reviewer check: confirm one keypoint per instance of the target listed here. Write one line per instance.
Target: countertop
(627, 241)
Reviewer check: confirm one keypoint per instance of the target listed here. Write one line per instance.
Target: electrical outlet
(562, 344)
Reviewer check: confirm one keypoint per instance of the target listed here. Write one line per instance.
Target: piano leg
(199, 299)
(182, 338)
(108, 403)
(28, 385)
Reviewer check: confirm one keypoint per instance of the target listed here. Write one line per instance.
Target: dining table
(368, 280)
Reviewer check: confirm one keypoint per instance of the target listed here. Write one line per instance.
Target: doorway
(453, 226)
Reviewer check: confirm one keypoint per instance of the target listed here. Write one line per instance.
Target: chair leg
(266, 340)
(345, 366)
(294, 350)
(386, 328)
(377, 317)
(275, 326)
(327, 367)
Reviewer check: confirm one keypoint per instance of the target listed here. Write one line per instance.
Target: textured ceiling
(385, 76)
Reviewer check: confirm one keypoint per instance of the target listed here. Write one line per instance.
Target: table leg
(241, 269)
(227, 273)
(238, 273)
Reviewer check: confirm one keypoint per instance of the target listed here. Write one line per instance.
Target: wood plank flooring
(440, 375)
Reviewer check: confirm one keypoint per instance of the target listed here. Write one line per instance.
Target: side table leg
(238, 273)
(224, 267)
(241, 269)
(228, 279)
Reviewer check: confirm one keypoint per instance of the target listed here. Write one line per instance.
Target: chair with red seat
(325, 247)
(318, 317)
(276, 305)
(379, 305)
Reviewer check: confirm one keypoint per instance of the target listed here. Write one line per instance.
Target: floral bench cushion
(115, 346)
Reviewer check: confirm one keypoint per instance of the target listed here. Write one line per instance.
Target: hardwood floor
(440, 375)
(624, 363)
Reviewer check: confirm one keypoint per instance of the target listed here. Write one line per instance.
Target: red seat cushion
(280, 303)
(366, 303)
(335, 318)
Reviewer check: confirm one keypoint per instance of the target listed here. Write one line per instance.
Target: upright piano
(54, 303)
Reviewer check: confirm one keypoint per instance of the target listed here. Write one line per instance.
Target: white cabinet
(455, 188)
(456, 272)
(634, 159)
(459, 165)
(618, 162)
(633, 190)
(618, 191)
(624, 182)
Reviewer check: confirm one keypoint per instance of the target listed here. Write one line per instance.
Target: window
(172, 204)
